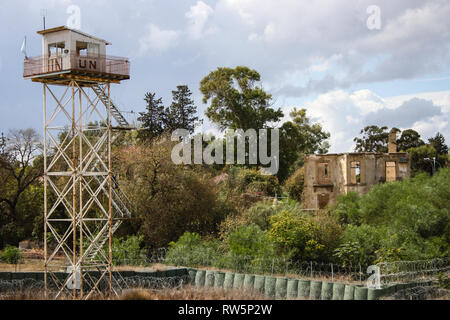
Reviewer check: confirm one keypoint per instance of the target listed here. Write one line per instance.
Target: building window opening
(324, 173)
(355, 172)
(391, 171)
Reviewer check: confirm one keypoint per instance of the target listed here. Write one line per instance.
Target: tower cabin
(71, 54)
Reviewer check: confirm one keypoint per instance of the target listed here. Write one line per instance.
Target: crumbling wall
(328, 176)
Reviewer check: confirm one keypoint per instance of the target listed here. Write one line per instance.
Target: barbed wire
(153, 283)
(422, 293)
(408, 271)
(34, 288)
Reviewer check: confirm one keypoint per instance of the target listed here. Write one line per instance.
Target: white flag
(24, 47)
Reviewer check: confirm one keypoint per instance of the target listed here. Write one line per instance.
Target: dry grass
(191, 293)
(185, 293)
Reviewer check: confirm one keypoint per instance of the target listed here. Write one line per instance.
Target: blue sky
(318, 55)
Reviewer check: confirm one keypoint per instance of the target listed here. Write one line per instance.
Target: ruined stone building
(329, 175)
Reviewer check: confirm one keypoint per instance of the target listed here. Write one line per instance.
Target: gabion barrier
(291, 288)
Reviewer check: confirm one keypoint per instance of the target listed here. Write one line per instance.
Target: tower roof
(64, 28)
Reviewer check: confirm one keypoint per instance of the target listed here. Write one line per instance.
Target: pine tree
(438, 143)
(154, 119)
(181, 113)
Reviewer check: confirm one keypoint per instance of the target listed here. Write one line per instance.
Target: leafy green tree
(154, 119)
(409, 139)
(21, 166)
(315, 138)
(299, 137)
(418, 156)
(374, 139)
(168, 199)
(181, 113)
(236, 100)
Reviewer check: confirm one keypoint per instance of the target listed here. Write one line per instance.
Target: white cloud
(157, 40)
(344, 114)
(413, 42)
(323, 65)
(197, 17)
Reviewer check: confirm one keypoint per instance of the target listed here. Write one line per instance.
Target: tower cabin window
(87, 49)
(355, 172)
(56, 49)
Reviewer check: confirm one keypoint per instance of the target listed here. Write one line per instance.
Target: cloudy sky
(328, 56)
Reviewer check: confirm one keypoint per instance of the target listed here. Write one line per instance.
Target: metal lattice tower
(83, 204)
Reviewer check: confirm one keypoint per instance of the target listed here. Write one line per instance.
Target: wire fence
(390, 272)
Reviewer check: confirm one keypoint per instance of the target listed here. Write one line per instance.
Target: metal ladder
(99, 90)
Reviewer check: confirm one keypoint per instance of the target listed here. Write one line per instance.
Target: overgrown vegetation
(406, 220)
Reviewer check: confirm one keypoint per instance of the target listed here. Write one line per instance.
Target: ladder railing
(103, 97)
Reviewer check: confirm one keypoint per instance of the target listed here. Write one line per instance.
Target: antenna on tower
(43, 15)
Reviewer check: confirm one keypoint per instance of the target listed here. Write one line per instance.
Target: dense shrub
(347, 210)
(297, 236)
(247, 241)
(191, 250)
(127, 250)
(258, 214)
(359, 245)
(294, 184)
(11, 255)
